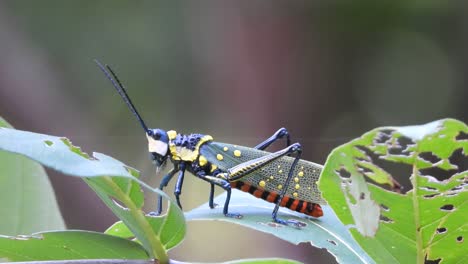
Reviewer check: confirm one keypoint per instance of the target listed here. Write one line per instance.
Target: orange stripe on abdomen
(297, 205)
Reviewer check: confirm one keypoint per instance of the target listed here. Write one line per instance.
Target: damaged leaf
(403, 190)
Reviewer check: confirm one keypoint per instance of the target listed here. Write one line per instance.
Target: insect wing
(271, 177)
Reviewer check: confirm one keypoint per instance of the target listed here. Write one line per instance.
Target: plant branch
(157, 248)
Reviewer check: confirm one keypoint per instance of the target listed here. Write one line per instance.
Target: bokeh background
(237, 70)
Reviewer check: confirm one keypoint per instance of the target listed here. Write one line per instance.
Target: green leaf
(28, 203)
(171, 228)
(324, 232)
(429, 221)
(115, 183)
(67, 245)
(119, 229)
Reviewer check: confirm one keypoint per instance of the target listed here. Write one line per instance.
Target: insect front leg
(281, 133)
(180, 181)
(165, 180)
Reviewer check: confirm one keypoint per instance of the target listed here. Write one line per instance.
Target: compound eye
(157, 135)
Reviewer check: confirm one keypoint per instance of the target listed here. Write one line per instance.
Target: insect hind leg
(297, 149)
(241, 170)
(281, 133)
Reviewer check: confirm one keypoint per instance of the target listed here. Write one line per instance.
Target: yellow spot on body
(297, 187)
(237, 153)
(280, 187)
(271, 177)
(172, 134)
(300, 174)
(308, 188)
(262, 183)
(202, 161)
(279, 166)
(225, 148)
(295, 194)
(302, 167)
(280, 171)
(213, 167)
(219, 157)
(296, 179)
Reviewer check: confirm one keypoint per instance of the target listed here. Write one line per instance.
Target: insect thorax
(186, 147)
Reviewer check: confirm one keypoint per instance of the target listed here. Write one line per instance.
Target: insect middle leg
(212, 188)
(226, 185)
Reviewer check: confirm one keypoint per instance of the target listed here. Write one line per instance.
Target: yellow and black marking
(186, 147)
(202, 161)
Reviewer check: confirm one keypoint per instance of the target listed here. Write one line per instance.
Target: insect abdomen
(297, 205)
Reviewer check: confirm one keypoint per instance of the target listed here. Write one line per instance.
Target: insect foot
(296, 223)
(234, 215)
(291, 222)
(153, 214)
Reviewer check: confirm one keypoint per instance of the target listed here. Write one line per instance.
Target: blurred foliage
(28, 201)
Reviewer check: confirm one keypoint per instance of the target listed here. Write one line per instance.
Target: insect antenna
(121, 90)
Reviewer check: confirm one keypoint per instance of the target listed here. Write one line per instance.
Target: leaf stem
(417, 219)
(158, 251)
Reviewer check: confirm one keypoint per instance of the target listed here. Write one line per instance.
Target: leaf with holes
(114, 182)
(25, 191)
(361, 182)
(324, 232)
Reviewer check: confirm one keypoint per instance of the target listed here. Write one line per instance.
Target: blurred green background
(237, 70)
